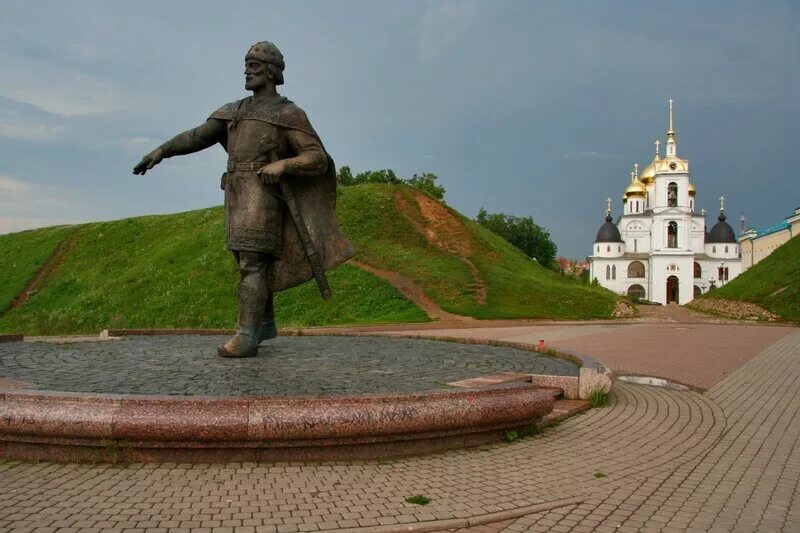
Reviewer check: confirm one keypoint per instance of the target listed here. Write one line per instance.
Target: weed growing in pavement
(599, 475)
(418, 499)
(533, 429)
(510, 435)
(598, 397)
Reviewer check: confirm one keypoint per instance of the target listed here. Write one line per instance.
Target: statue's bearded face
(256, 74)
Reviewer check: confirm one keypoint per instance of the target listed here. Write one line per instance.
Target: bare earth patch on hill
(412, 291)
(445, 231)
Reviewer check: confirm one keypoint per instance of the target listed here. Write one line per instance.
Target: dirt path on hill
(444, 230)
(47, 269)
(412, 291)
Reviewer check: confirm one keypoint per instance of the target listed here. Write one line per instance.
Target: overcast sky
(529, 108)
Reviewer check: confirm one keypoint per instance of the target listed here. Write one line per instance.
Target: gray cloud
(531, 108)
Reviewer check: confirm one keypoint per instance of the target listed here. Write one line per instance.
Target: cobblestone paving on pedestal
(654, 460)
(189, 365)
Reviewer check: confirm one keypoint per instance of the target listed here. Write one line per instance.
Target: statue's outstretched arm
(207, 134)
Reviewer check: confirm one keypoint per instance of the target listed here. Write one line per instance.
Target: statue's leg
(253, 297)
(268, 330)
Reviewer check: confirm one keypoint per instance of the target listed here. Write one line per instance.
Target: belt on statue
(246, 167)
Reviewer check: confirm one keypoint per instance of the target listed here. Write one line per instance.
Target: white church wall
(664, 266)
(711, 270)
(609, 273)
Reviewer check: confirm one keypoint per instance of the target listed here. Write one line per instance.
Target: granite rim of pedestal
(121, 428)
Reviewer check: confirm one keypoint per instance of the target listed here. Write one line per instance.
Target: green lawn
(22, 254)
(517, 287)
(173, 271)
(773, 283)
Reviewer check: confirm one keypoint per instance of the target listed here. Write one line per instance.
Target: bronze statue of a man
(280, 195)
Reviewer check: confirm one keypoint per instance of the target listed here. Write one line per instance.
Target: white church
(659, 249)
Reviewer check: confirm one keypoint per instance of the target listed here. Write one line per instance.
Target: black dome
(608, 232)
(722, 232)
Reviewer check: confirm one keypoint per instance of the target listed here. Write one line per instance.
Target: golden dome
(635, 189)
(649, 173)
(692, 189)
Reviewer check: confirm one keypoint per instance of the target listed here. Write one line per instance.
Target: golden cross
(608, 210)
(722, 203)
(658, 146)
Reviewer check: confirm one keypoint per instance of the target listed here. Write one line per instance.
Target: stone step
(556, 392)
(563, 409)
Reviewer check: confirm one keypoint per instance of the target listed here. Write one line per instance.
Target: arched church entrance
(672, 290)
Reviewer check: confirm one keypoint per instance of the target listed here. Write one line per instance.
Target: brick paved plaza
(721, 457)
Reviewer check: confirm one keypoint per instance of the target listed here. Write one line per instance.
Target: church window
(608, 272)
(619, 248)
(672, 235)
(697, 291)
(713, 249)
(636, 290)
(698, 271)
(614, 272)
(636, 269)
(726, 273)
(608, 247)
(635, 244)
(726, 249)
(672, 194)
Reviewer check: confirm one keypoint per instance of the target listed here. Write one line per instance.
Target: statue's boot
(267, 329)
(253, 298)
(243, 344)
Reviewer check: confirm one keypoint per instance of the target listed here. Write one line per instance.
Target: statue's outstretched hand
(149, 161)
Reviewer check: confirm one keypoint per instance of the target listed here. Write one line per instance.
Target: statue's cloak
(315, 195)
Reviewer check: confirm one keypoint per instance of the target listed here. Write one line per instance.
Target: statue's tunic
(256, 217)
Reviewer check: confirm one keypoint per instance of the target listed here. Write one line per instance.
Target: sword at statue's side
(314, 259)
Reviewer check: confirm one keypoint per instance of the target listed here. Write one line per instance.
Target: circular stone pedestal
(171, 398)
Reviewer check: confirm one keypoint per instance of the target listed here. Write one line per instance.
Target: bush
(523, 233)
(426, 182)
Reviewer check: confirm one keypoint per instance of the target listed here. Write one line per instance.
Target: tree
(385, 175)
(427, 183)
(523, 233)
(344, 176)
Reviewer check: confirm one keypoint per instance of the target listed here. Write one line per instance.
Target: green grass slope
(773, 283)
(173, 271)
(516, 286)
(22, 255)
